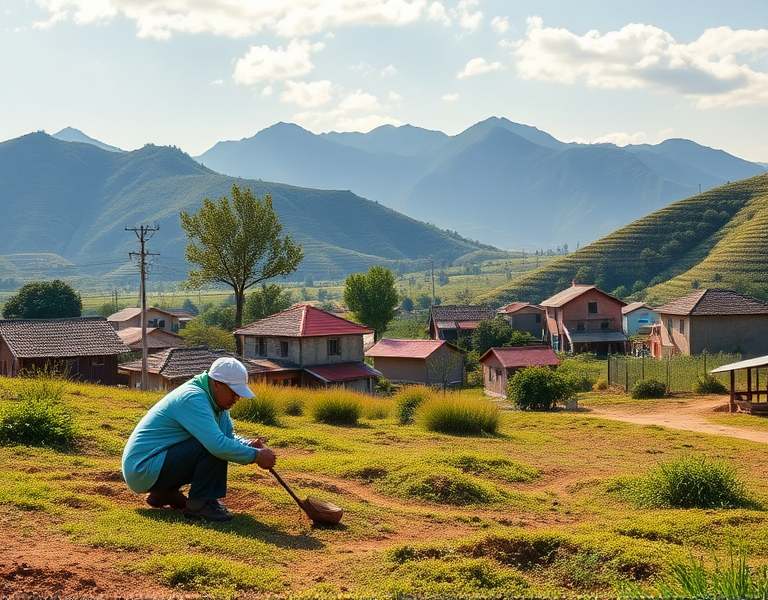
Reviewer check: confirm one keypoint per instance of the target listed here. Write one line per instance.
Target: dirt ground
(36, 563)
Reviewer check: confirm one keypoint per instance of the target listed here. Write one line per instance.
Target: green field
(541, 508)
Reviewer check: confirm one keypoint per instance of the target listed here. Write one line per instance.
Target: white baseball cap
(231, 371)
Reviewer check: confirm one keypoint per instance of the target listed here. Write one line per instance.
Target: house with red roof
(428, 362)
(523, 316)
(583, 318)
(499, 364)
(315, 348)
(157, 339)
(711, 320)
(156, 318)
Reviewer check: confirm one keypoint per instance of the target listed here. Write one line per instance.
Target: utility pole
(144, 233)
(432, 266)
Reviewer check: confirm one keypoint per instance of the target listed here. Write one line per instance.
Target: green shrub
(383, 386)
(38, 418)
(408, 400)
(539, 388)
(293, 406)
(457, 415)
(709, 384)
(600, 385)
(648, 388)
(337, 408)
(493, 466)
(693, 482)
(442, 485)
(264, 409)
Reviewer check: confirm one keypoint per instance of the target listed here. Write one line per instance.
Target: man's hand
(266, 458)
(257, 443)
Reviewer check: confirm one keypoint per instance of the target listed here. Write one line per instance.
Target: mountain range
(506, 184)
(67, 205)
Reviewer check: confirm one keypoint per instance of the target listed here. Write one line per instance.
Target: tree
(268, 300)
(238, 243)
(496, 333)
(44, 300)
(198, 333)
(372, 298)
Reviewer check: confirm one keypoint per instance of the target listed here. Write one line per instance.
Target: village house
(500, 364)
(156, 318)
(168, 369)
(583, 318)
(157, 339)
(428, 362)
(637, 318)
(81, 348)
(314, 348)
(523, 316)
(711, 320)
(450, 323)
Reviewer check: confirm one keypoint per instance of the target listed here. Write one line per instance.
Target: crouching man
(188, 438)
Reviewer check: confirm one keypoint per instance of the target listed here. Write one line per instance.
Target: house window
(682, 327)
(97, 361)
(334, 347)
(592, 308)
(72, 370)
(669, 325)
(580, 327)
(538, 318)
(283, 349)
(262, 347)
(604, 325)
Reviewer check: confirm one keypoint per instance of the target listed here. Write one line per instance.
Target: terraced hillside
(715, 239)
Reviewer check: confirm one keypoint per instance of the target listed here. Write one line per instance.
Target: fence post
(626, 375)
(668, 361)
(609, 368)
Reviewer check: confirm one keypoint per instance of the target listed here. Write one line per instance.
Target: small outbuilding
(500, 364)
(428, 362)
(747, 396)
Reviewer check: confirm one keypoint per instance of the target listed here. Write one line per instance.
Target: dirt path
(687, 414)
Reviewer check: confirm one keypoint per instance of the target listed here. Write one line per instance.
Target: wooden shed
(748, 397)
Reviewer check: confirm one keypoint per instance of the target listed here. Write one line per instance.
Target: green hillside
(715, 239)
(74, 202)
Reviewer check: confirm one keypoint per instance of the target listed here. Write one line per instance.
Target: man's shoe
(174, 499)
(207, 510)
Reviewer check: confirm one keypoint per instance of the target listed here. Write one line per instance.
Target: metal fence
(678, 372)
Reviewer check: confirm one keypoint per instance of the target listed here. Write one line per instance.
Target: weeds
(262, 408)
(337, 407)
(457, 415)
(408, 400)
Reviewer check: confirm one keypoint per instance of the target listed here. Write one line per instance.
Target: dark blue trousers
(188, 462)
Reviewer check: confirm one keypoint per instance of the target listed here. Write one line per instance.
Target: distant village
(309, 347)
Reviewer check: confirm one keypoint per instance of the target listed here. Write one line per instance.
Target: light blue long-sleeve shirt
(188, 411)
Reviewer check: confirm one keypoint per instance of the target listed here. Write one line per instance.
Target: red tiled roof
(714, 302)
(524, 356)
(386, 348)
(342, 372)
(517, 306)
(303, 321)
(572, 292)
(157, 339)
(56, 338)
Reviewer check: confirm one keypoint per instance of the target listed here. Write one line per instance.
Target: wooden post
(733, 391)
(749, 385)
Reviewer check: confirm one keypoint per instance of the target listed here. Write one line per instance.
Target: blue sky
(190, 73)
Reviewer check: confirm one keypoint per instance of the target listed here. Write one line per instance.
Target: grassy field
(541, 507)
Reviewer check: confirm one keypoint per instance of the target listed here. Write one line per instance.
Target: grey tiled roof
(55, 338)
(714, 302)
(461, 313)
(184, 363)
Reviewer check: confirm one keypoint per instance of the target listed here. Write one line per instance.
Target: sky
(191, 73)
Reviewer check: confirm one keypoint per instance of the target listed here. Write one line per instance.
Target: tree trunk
(239, 302)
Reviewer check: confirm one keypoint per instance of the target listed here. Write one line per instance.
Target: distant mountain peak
(70, 134)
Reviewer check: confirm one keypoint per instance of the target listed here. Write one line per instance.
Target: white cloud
(290, 18)
(307, 95)
(360, 100)
(713, 71)
(478, 66)
(267, 91)
(395, 98)
(261, 63)
(450, 98)
(217, 82)
(362, 67)
(500, 24)
(469, 18)
(621, 139)
(437, 12)
(365, 124)
(389, 71)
